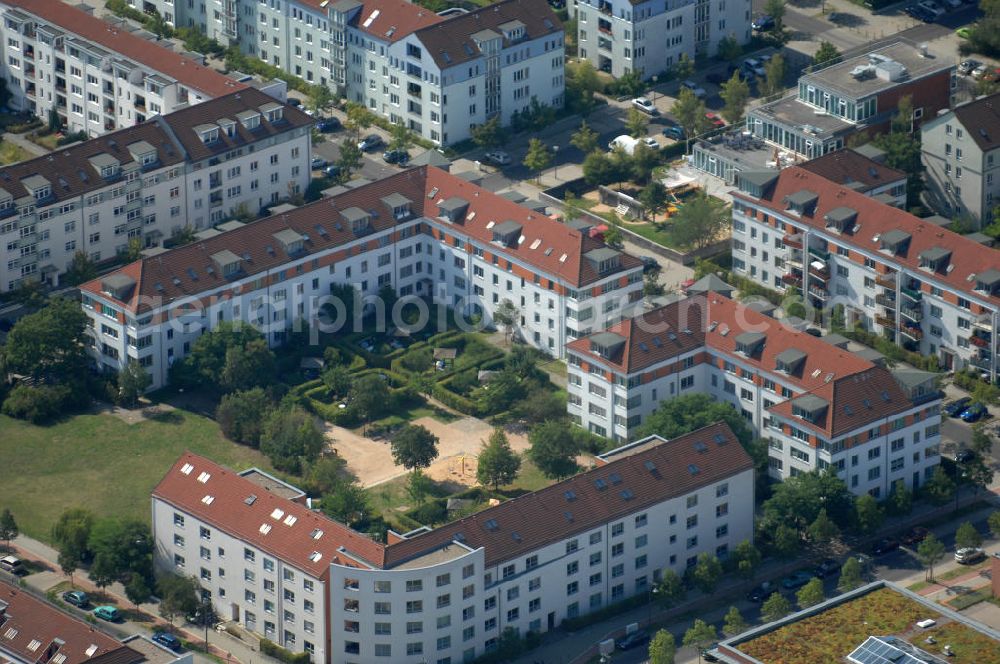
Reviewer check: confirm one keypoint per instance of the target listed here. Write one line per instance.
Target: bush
(36, 404)
(430, 513)
(276, 651)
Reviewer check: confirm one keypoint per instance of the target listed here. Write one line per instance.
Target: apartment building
(447, 594)
(819, 406)
(960, 150)
(425, 232)
(859, 94)
(920, 285)
(96, 76)
(194, 167)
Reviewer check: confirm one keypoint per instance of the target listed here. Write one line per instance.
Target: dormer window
(249, 119)
(399, 204)
(606, 344)
(895, 242)
(809, 407)
(756, 183)
(229, 127)
(42, 193)
(359, 220)
(935, 259)
(143, 152)
(453, 209)
(750, 344)
(290, 240)
(228, 262)
(208, 133)
(274, 112)
(507, 233)
(802, 202)
(513, 31)
(988, 282)
(790, 361)
(605, 259)
(841, 219)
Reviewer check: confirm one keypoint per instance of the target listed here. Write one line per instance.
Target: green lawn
(11, 153)
(654, 233)
(101, 463)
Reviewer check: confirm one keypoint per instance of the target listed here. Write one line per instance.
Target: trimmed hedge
(276, 651)
(452, 400)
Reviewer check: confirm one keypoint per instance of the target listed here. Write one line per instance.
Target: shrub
(37, 404)
(430, 513)
(276, 651)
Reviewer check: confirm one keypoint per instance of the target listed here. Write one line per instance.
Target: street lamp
(649, 605)
(555, 159)
(654, 88)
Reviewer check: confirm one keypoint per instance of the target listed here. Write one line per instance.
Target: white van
(625, 142)
(11, 564)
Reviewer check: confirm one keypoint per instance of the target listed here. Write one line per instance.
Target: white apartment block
(437, 75)
(195, 167)
(920, 285)
(447, 594)
(819, 405)
(96, 76)
(423, 231)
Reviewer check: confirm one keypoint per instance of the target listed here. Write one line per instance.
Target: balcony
(605, 8)
(794, 257)
(979, 341)
(914, 333)
(886, 300)
(885, 321)
(822, 273)
(887, 280)
(793, 240)
(792, 279)
(140, 105)
(984, 322)
(819, 253)
(606, 44)
(981, 363)
(915, 315)
(818, 293)
(914, 295)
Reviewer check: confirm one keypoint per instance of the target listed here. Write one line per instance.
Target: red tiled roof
(229, 511)
(875, 219)
(536, 519)
(396, 19)
(848, 167)
(75, 20)
(558, 249)
(29, 626)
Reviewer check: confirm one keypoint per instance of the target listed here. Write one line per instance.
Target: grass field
(100, 463)
(11, 153)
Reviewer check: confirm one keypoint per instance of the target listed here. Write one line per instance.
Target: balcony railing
(885, 321)
(984, 322)
(887, 280)
(820, 273)
(979, 342)
(913, 314)
(792, 279)
(914, 295)
(886, 300)
(981, 363)
(818, 293)
(793, 240)
(819, 253)
(912, 332)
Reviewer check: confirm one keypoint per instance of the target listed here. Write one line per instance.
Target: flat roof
(749, 154)
(838, 77)
(790, 111)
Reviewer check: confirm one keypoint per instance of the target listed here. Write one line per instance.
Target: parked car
(292, 101)
(814, 332)
(328, 125)
(916, 535)
(644, 105)
(12, 564)
(370, 142)
(167, 640)
(675, 132)
(649, 264)
(77, 598)
(965, 456)
(969, 555)
(720, 77)
(762, 23)
(955, 408)
(332, 171)
(498, 157)
(761, 592)
(963, 33)
(318, 163)
(400, 157)
(752, 67)
(931, 7)
(650, 143)
(796, 580)
(952, 4)
(825, 568)
(695, 89)
(109, 613)
(714, 119)
(633, 640)
(887, 545)
(974, 412)
(980, 71)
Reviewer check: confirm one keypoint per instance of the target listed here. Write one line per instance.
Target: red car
(715, 120)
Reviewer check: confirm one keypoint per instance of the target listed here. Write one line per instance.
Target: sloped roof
(878, 222)
(395, 19)
(32, 625)
(150, 54)
(609, 492)
(710, 282)
(850, 167)
(292, 528)
(981, 119)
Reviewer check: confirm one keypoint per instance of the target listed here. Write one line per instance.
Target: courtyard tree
(498, 463)
(506, 315)
(706, 573)
(699, 636)
(930, 552)
(662, 648)
(746, 559)
(247, 365)
(291, 439)
(489, 134)
(734, 622)
(822, 531)
(584, 139)
(8, 527)
(870, 516)
(735, 93)
(653, 198)
(538, 157)
(967, 536)
(796, 503)
(553, 449)
(636, 122)
(133, 380)
(850, 575)
(241, 415)
(773, 82)
(48, 345)
(208, 353)
(598, 169)
(137, 590)
(414, 446)
(80, 269)
(827, 54)
(419, 486)
(810, 594)
(785, 541)
(338, 380)
(775, 607)
(690, 114)
(670, 590)
(347, 502)
(700, 222)
(349, 159)
(369, 397)
(327, 473)
(644, 160)
(540, 405)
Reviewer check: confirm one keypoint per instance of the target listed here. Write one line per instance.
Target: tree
(538, 157)
(488, 134)
(773, 82)
(700, 222)
(506, 315)
(850, 575)
(599, 169)
(178, 596)
(349, 159)
(8, 527)
(347, 503)
(359, 119)
(902, 149)
(823, 530)
(636, 122)
(746, 558)
(247, 366)
(418, 486)
(940, 488)
(369, 397)
(241, 415)
(827, 54)
(735, 93)
(653, 198)
(498, 463)
(706, 573)
(993, 521)
(133, 251)
(137, 591)
(797, 501)
(786, 541)
(729, 48)
(775, 607)
(901, 498)
(967, 537)
(734, 622)
(662, 648)
(414, 446)
(401, 137)
(582, 82)
(676, 417)
(338, 380)
(71, 532)
(978, 473)
(870, 516)
(321, 98)
(48, 345)
(690, 114)
(584, 139)
(208, 354)
(699, 636)
(683, 67)
(103, 570)
(671, 588)
(327, 473)
(539, 406)
(930, 552)
(810, 594)
(80, 269)
(776, 10)
(291, 439)
(553, 449)
(121, 548)
(644, 160)
(132, 381)
(69, 561)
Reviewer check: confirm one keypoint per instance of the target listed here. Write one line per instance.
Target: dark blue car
(167, 640)
(955, 408)
(974, 412)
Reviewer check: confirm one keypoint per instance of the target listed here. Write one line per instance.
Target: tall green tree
(487, 135)
(582, 82)
(347, 502)
(775, 607)
(670, 590)
(901, 498)
(132, 382)
(137, 591)
(553, 449)
(683, 67)
(870, 516)
(729, 48)
(598, 168)
(735, 93)
(773, 82)
(241, 415)
(414, 446)
(776, 10)
(662, 648)
(538, 157)
(826, 54)
(785, 541)
(699, 636)
(291, 439)
(700, 222)
(506, 315)
(71, 533)
(121, 548)
(810, 594)
(690, 114)
(653, 198)
(636, 122)
(359, 119)
(822, 531)
(418, 486)
(321, 98)
(498, 463)
(369, 397)
(850, 575)
(401, 137)
(8, 527)
(734, 623)
(746, 558)
(930, 552)
(48, 345)
(584, 139)
(796, 502)
(940, 488)
(178, 596)
(967, 536)
(706, 573)
(80, 269)
(993, 521)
